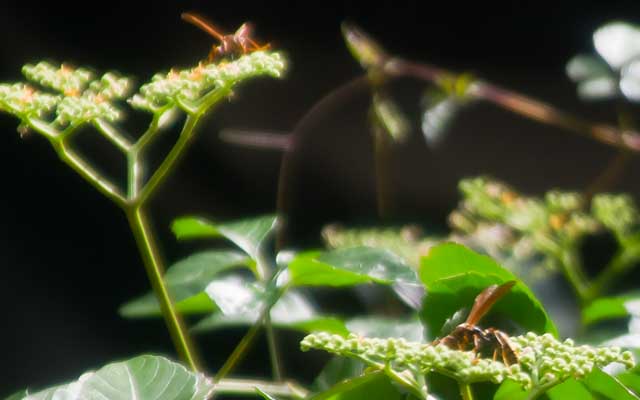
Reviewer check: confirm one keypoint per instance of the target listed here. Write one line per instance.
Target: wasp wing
(486, 299)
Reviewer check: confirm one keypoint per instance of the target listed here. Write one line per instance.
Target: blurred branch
(375, 60)
(522, 105)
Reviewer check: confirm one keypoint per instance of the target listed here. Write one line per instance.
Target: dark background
(67, 258)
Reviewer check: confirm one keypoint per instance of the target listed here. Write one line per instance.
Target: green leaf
(455, 275)
(264, 394)
(186, 281)
(381, 327)
(248, 234)
(348, 267)
(142, 378)
(336, 370)
(510, 390)
(608, 386)
(241, 303)
(631, 380)
(371, 386)
(18, 395)
(606, 308)
(570, 389)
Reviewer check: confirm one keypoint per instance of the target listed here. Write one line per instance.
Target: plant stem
(382, 160)
(153, 264)
(248, 386)
(465, 391)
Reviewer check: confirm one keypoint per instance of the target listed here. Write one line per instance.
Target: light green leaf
(631, 380)
(455, 275)
(570, 389)
(371, 386)
(510, 390)
(248, 234)
(606, 308)
(142, 378)
(383, 327)
(264, 394)
(608, 386)
(18, 395)
(186, 281)
(348, 267)
(242, 302)
(337, 370)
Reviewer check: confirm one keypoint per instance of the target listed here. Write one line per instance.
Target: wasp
(469, 337)
(238, 43)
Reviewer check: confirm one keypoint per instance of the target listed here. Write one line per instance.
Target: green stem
(248, 387)
(89, 174)
(153, 264)
(465, 391)
(178, 148)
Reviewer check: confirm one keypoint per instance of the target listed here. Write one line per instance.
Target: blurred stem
(382, 160)
(465, 391)
(573, 272)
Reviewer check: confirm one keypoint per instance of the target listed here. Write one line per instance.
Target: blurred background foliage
(54, 246)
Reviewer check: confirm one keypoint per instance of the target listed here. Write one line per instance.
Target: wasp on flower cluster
(469, 337)
(232, 45)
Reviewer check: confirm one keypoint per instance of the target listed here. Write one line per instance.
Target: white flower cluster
(617, 212)
(83, 98)
(541, 359)
(63, 78)
(191, 84)
(25, 101)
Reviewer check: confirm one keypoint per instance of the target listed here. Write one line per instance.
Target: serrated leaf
(186, 281)
(142, 378)
(381, 327)
(248, 234)
(371, 386)
(348, 267)
(455, 275)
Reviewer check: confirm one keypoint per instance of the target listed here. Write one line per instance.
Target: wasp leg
(509, 355)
